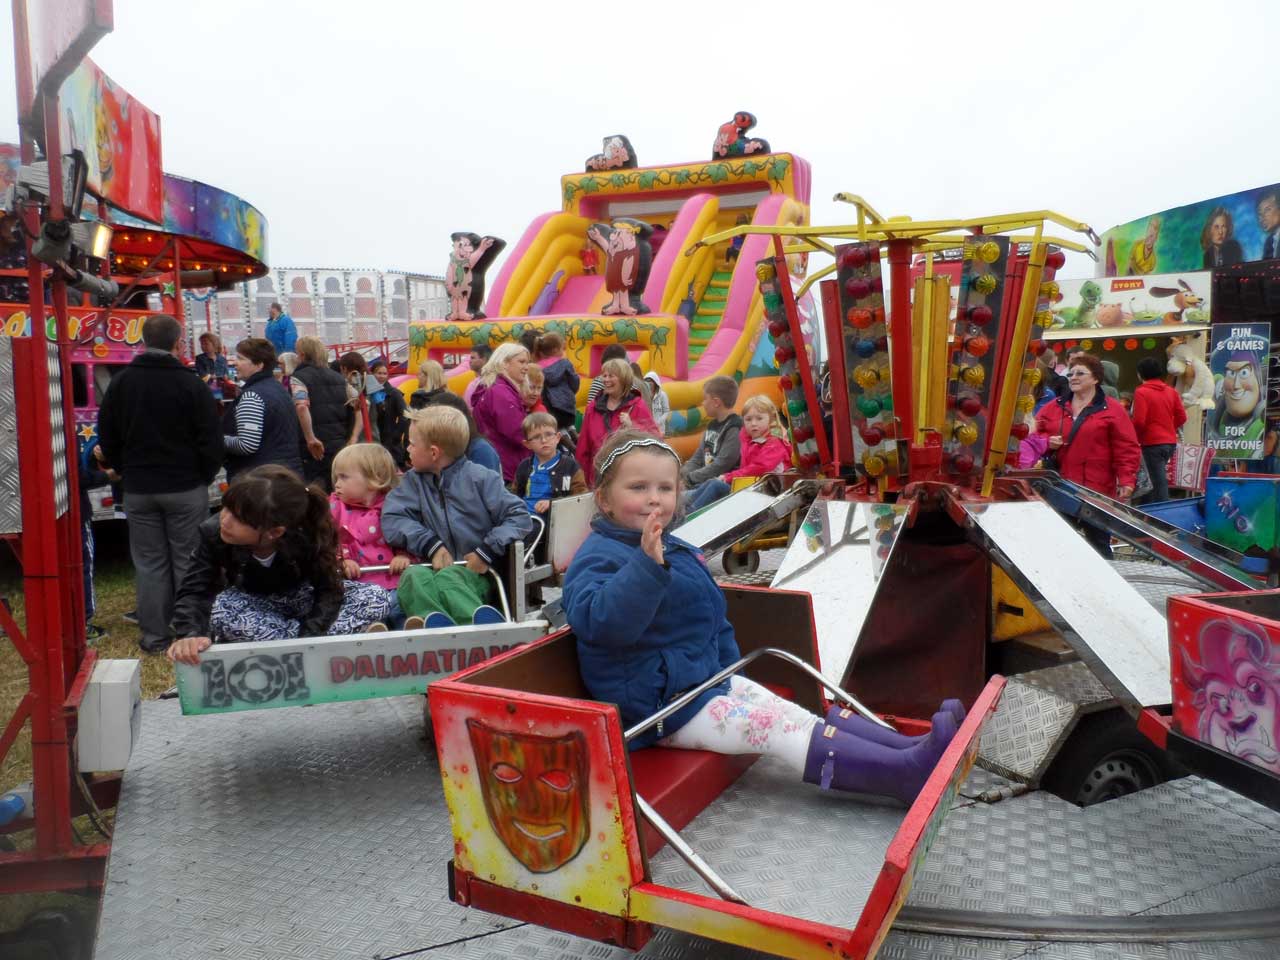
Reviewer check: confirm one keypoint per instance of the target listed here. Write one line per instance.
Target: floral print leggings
(749, 719)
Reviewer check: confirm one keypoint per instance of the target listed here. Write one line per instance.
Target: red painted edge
(72, 704)
(878, 912)
(809, 929)
(577, 921)
(1154, 727)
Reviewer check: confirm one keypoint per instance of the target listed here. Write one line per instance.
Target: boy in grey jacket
(445, 509)
(721, 448)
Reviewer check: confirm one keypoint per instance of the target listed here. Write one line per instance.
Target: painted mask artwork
(535, 792)
(628, 258)
(1236, 692)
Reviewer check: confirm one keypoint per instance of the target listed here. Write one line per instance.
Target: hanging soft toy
(1194, 378)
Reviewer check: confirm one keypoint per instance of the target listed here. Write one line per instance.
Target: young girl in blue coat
(650, 624)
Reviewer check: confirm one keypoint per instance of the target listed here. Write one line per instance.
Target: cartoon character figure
(1194, 378)
(1085, 314)
(1239, 414)
(627, 260)
(1184, 299)
(1236, 692)
(464, 279)
(1112, 315)
(535, 793)
(732, 140)
(617, 154)
(1142, 257)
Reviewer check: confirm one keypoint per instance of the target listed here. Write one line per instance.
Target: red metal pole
(803, 366)
(900, 336)
(838, 373)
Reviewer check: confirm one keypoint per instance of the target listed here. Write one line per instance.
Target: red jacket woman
(1102, 452)
(615, 406)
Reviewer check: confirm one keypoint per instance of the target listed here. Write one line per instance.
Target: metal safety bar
(687, 853)
(502, 591)
(529, 550)
(693, 692)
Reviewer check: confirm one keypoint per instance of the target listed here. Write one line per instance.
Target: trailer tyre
(1106, 757)
(737, 563)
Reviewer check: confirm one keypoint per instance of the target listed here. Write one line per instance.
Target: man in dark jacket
(158, 428)
(326, 419)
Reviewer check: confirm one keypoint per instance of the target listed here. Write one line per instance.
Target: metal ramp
(741, 514)
(1116, 632)
(324, 834)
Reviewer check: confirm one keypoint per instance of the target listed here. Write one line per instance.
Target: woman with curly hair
(266, 568)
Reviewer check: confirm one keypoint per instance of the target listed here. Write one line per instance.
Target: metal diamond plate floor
(322, 833)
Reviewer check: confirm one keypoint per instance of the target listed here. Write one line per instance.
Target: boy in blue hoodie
(448, 510)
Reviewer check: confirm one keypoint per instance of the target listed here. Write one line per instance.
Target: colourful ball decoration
(1071, 344)
(872, 436)
(765, 271)
(1025, 404)
(981, 315)
(772, 302)
(966, 432)
(984, 283)
(1086, 344)
(1032, 376)
(882, 343)
(868, 406)
(866, 376)
(860, 317)
(1049, 290)
(785, 384)
(886, 403)
(783, 353)
(1149, 343)
(1044, 318)
(988, 252)
(865, 348)
(855, 257)
(1108, 344)
(809, 460)
(1019, 431)
(857, 287)
(962, 462)
(796, 407)
(801, 434)
(874, 464)
(777, 328)
(1056, 260)
(973, 375)
(1037, 347)
(977, 346)
(969, 405)
(1131, 344)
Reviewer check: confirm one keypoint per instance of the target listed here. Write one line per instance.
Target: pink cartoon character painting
(464, 279)
(1235, 692)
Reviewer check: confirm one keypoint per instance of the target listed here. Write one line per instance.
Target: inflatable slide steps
(709, 313)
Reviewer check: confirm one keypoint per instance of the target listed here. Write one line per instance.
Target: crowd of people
(350, 508)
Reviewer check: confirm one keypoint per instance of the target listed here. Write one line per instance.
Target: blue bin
(1188, 514)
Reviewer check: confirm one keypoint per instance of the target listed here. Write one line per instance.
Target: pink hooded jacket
(769, 454)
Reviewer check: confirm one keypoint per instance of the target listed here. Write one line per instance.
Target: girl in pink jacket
(763, 451)
(363, 473)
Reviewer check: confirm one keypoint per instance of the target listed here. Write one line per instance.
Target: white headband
(632, 445)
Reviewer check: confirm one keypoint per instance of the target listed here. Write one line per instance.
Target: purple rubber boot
(848, 720)
(844, 761)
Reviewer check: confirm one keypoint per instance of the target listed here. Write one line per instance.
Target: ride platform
(322, 832)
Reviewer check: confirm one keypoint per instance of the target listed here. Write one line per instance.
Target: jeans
(707, 492)
(1156, 457)
(162, 535)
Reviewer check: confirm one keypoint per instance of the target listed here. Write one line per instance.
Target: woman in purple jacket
(499, 407)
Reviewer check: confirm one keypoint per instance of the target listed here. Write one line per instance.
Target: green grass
(115, 592)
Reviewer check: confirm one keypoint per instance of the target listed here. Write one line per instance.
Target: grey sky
(367, 131)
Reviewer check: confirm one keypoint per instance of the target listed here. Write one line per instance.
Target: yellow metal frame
(929, 335)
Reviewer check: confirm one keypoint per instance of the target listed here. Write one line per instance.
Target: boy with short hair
(720, 450)
(448, 508)
(551, 472)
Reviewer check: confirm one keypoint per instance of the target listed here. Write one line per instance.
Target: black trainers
(155, 646)
(130, 617)
(93, 633)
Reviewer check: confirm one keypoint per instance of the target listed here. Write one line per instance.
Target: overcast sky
(367, 132)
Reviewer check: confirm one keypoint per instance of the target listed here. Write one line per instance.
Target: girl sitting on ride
(764, 450)
(266, 568)
(363, 474)
(650, 624)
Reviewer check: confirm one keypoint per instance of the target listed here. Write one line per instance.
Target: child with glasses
(551, 471)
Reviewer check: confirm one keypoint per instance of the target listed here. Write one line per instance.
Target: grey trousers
(162, 535)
